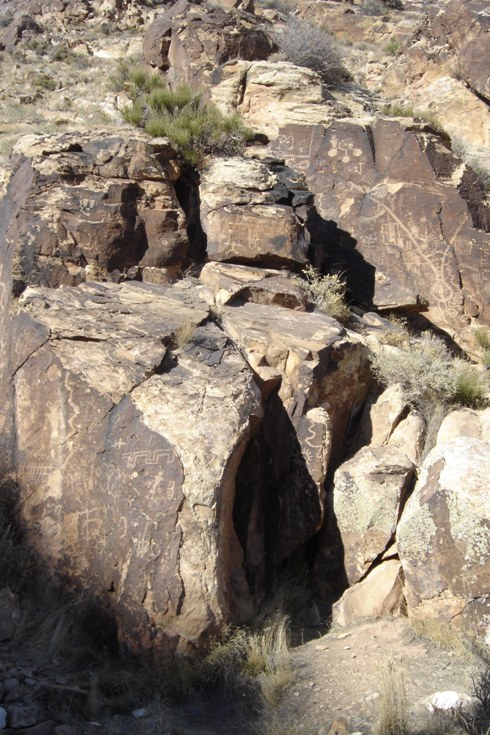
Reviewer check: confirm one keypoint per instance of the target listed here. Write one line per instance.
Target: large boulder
(389, 215)
(94, 207)
(253, 211)
(465, 422)
(369, 492)
(131, 421)
(379, 594)
(192, 40)
(388, 419)
(465, 29)
(444, 537)
(271, 94)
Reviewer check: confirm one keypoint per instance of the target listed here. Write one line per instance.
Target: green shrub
(482, 336)
(470, 389)
(373, 7)
(326, 293)
(428, 373)
(282, 6)
(307, 45)
(196, 128)
(393, 47)
(44, 81)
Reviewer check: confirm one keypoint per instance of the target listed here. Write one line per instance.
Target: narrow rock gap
(187, 192)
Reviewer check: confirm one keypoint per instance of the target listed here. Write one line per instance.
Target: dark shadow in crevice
(187, 191)
(276, 514)
(333, 250)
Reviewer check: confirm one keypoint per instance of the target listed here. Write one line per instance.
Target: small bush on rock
(307, 45)
(428, 373)
(195, 127)
(326, 293)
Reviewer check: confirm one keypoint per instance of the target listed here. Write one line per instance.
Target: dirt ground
(342, 674)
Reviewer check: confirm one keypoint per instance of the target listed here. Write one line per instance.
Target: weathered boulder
(465, 28)
(253, 211)
(192, 40)
(402, 233)
(443, 537)
(442, 71)
(271, 94)
(93, 207)
(315, 377)
(387, 419)
(465, 422)
(369, 492)
(229, 282)
(126, 455)
(380, 593)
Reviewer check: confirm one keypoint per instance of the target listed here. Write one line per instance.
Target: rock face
(314, 378)
(403, 236)
(442, 71)
(251, 211)
(465, 28)
(369, 492)
(192, 40)
(271, 94)
(389, 420)
(119, 493)
(94, 208)
(444, 537)
(169, 443)
(380, 594)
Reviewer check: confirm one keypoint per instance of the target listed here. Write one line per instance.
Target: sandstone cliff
(177, 442)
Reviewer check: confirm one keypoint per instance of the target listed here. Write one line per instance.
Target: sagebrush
(327, 293)
(428, 373)
(308, 45)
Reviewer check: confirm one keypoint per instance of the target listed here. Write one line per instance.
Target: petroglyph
(149, 457)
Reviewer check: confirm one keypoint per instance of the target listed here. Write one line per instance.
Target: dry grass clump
(326, 293)
(282, 6)
(393, 707)
(476, 158)
(482, 336)
(440, 633)
(308, 45)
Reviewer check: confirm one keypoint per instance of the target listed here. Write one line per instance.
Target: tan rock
(191, 41)
(381, 416)
(269, 95)
(409, 436)
(229, 282)
(319, 376)
(252, 211)
(464, 422)
(443, 536)
(125, 463)
(369, 491)
(380, 593)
